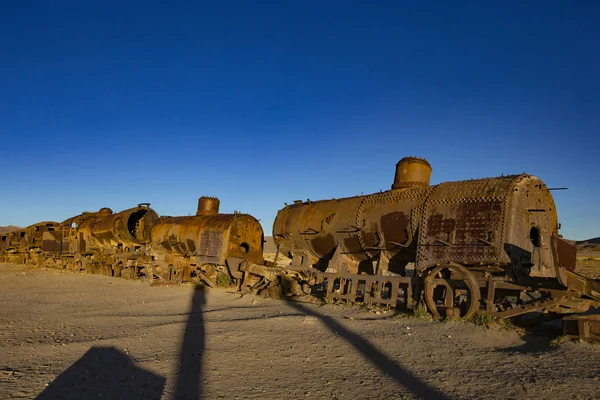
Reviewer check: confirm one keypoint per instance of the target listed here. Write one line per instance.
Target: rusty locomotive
(484, 245)
(137, 243)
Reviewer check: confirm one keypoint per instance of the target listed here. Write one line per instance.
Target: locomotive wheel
(451, 290)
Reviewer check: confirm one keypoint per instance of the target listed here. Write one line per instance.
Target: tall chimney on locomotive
(412, 172)
(208, 206)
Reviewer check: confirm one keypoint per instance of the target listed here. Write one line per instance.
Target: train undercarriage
(448, 290)
(452, 290)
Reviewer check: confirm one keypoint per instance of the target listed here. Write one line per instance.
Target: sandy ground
(93, 337)
(588, 264)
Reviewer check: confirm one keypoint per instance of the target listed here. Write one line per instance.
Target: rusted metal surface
(347, 235)
(491, 221)
(395, 291)
(206, 239)
(566, 253)
(583, 285)
(208, 206)
(137, 243)
(411, 172)
(123, 231)
(451, 290)
(40, 236)
(485, 245)
(583, 327)
(210, 236)
(3, 242)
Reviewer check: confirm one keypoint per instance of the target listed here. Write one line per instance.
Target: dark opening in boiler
(133, 223)
(244, 247)
(534, 236)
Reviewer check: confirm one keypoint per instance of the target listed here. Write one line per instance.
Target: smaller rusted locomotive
(138, 243)
(31, 238)
(205, 244)
(98, 242)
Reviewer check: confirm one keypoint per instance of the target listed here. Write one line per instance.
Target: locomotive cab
(533, 243)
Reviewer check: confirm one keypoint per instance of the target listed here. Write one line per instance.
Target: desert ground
(79, 336)
(588, 264)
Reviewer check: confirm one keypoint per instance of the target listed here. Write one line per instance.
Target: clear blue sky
(115, 103)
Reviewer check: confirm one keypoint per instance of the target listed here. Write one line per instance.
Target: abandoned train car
(138, 243)
(205, 244)
(478, 245)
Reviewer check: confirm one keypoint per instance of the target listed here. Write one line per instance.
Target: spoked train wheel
(451, 290)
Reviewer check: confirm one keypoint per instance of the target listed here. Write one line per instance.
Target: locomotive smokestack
(208, 206)
(411, 172)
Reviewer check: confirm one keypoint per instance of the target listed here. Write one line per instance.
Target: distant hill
(9, 228)
(590, 241)
(590, 245)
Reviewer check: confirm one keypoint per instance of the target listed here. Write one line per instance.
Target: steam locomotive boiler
(205, 244)
(97, 242)
(115, 244)
(485, 244)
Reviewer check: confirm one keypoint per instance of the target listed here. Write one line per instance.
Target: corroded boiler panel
(208, 238)
(359, 228)
(128, 228)
(44, 236)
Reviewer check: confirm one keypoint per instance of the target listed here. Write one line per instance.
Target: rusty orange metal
(124, 231)
(582, 327)
(411, 172)
(474, 245)
(206, 238)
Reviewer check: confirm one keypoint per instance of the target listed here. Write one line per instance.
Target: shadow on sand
(105, 372)
(377, 358)
(533, 344)
(108, 373)
(190, 357)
